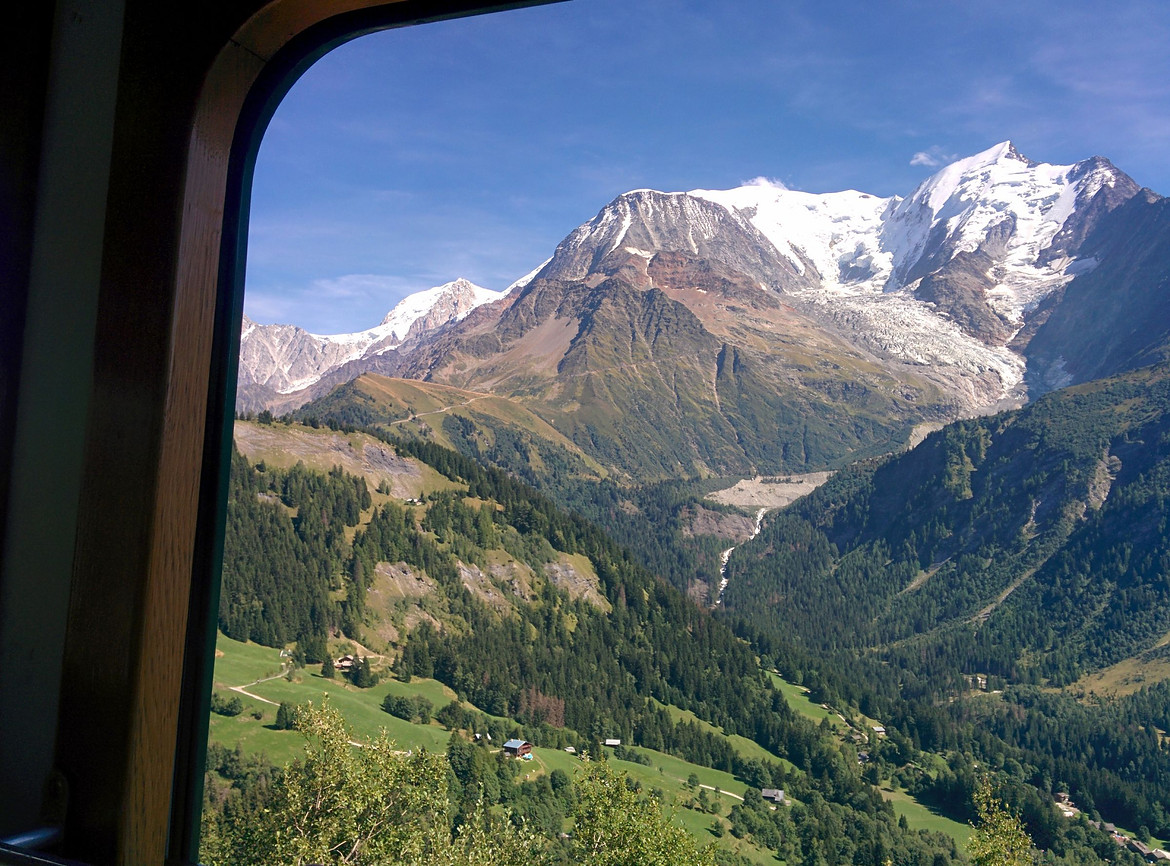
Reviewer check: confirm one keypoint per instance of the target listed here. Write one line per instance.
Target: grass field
(745, 747)
(258, 671)
(1125, 677)
(919, 817)
(242, 664)
(798, 699)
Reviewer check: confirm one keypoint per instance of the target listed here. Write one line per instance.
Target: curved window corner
(156, 126)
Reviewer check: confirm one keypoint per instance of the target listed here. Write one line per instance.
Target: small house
(613, 742)
(517, 748)
(880, 730)
(572, 750)
(1138, 848)
(773, 794)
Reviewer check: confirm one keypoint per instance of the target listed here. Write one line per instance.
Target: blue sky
(470, 148)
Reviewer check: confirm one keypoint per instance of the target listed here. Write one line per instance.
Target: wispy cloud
(363, 286)
(768, 182)
(933, 157)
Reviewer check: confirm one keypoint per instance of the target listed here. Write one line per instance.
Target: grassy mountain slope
(533, 615)
(454, 417)
(675, 366)
(653, 520)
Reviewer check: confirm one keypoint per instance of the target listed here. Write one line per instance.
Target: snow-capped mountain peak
(837, 232)
(997, 198)
(939, 190)
(449, 302)
(284, 358)
(944, 279)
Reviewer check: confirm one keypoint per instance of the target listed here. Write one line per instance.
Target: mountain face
(675, 367)
(766, 329)
(281, 360)
(1116, 315)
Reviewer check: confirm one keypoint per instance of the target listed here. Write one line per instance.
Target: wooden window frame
(197, 86)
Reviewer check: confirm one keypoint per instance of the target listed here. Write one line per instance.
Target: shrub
(232, 706)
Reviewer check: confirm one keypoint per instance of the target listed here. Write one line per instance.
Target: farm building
(517, 748)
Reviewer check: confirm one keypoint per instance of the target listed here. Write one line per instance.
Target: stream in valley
(726, 555)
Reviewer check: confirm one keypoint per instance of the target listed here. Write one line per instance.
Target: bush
(399, 706)
(232, 706)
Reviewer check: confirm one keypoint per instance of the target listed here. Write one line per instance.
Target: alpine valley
(859, 497)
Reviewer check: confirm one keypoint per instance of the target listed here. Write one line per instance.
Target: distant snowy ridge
(860, 242)
(284, 358)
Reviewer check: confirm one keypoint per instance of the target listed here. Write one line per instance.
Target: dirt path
(1012, 587)
(242, 689)
(439, 411)
(721, 791)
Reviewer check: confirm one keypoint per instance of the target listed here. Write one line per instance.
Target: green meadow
(258, 671)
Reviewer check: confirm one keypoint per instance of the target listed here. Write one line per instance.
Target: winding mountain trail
(440, 411)
(726, 555)
(242, 689)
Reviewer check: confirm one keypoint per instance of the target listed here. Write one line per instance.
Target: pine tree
(286, 717)
(327, 669)
(363, 677)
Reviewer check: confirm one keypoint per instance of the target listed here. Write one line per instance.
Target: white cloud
(770, 182)
(933, 157)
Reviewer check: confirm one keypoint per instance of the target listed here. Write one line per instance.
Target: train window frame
(131, 740)
(272, 85)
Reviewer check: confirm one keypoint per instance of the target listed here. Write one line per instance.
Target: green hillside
(1031, 546)
(939, 590)
(541, 626)
(651, 520)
